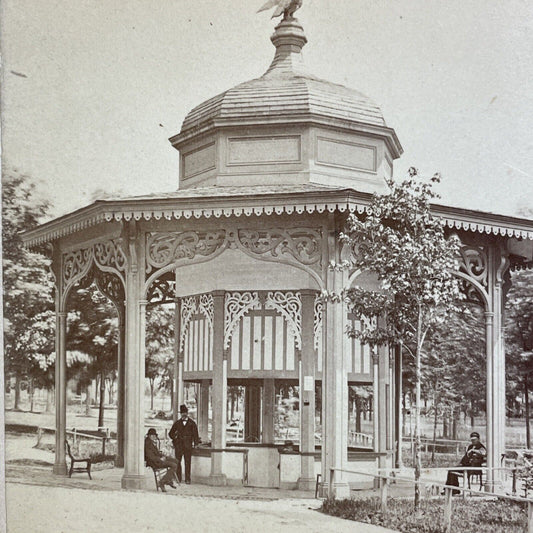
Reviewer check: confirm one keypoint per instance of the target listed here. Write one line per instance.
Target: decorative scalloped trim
(258, 211)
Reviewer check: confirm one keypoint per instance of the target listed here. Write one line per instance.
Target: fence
(384, 480)
(77, 436)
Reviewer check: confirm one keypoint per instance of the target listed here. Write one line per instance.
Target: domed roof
(286, 92)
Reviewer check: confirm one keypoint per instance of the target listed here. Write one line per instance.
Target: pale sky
(93, 89)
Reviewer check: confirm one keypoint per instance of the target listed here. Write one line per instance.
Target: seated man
(475, 455)
(157, 459)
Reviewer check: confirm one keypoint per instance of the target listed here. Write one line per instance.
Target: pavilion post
(60, 465)
(382, 413)
(497, 266)
(307, 393)
(121, 349)
(135, 318)
(220, 392)
(334, 378)
(398, 429)
(178, 361)
(375, 399)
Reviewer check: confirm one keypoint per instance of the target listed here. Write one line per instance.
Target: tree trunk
(455, 416)
(16, 407)
(88, 400)
(435, 419)
(49, 399)
(151, 393)
(102, 398)
(526, 404)
(418, 379)
(31, 390)
(445, 429)
(232, 415)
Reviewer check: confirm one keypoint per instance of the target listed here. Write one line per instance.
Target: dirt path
(58, 510)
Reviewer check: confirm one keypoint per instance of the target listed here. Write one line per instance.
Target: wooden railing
(384, 480)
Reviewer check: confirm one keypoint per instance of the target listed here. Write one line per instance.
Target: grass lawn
(468, 516)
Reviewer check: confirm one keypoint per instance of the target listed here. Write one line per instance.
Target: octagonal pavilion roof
(286, 92)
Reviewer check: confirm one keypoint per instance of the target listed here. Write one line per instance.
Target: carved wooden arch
(106, 257)
(168, 251)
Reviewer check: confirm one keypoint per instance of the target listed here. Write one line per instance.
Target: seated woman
(475, 455)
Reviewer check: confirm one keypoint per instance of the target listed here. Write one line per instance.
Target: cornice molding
(247, 205)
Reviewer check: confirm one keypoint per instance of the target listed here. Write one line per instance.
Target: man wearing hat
(157, 459)
(475, 455)
(184, 435)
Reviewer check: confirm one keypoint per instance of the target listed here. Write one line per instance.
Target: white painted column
(382, 411)
(60, 465)
(489, 320)
(307, 393)
(178, 360)
(375, 398)
(334, 381)
(219, 393)
(135, 320)
(121, 350)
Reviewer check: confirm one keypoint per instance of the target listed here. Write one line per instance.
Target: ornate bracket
(107, 256)
(191, 306)
(237, 304)
(289, 304)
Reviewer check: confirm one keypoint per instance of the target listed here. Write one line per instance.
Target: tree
(519, 338)
(28, 319)
(93, 330)
(159, 348)
(405, 247)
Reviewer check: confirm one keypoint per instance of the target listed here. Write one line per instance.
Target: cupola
(287, 127)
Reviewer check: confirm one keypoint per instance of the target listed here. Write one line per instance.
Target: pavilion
(269, 171)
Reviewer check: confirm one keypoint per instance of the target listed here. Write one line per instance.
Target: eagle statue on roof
(285, 7)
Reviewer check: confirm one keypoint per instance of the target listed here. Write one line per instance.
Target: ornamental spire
(288, 38)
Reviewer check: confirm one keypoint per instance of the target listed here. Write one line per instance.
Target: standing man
(184, 435)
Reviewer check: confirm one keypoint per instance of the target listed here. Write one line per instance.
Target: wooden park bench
(74, 460)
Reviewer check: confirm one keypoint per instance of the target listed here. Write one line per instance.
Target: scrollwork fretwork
(474, 263)
(289, 304)
(237, 304)
(111, 286)
(167, 248)
(303, 244)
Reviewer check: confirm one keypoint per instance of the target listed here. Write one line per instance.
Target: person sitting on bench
(157, 459)
(475, 455)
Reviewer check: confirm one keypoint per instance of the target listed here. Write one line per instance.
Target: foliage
(404, 246)
(519, 329)
(93, 330)
(160, 347)
(29, 323)
(468, 516)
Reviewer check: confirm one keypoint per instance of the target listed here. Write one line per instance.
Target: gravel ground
(70, 510)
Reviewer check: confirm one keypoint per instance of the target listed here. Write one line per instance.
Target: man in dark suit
(184, 435)
(157, 459)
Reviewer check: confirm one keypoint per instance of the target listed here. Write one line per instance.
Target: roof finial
(285, 7)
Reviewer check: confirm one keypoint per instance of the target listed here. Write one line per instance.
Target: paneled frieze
(163, 249)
